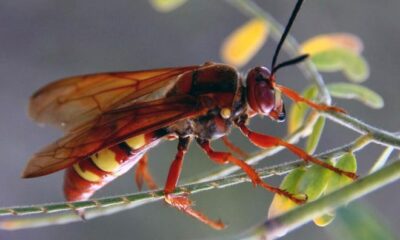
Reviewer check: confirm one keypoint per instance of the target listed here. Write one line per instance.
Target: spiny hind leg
(183, 203)
(225, 157)
(142, 174)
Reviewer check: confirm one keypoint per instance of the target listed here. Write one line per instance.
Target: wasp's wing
(71, 102)
(112, 128)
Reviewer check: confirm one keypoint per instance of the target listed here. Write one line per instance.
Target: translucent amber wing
(112, 128)
(71, 102)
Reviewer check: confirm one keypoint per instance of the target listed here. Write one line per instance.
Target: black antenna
(290, 62)
(284, 35)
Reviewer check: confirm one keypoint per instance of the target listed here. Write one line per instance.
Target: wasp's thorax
(262, 97)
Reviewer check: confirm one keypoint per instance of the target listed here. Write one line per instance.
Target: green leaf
(281, 204)
(166, 5)
(291, 181)
(347, 162)
(352, 64)
(313, 139)
(357, 92)
(324, 219)
(314, 181)
(298, 111)
(310, 181)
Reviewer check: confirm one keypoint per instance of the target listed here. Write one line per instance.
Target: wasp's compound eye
(260, 93)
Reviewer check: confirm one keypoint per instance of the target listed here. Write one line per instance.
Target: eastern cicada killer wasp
(112, 119)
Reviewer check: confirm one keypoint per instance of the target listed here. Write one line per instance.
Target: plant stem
(382, 159)
(286, 222)
(309, 70)
(105, 206)
(297, 217)
(380, 136)
(291, 46)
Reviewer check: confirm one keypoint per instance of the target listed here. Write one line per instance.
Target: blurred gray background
(44, 40)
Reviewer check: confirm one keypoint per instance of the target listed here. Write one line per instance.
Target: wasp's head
(262, 97)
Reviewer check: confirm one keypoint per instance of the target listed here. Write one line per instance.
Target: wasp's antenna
(285, 33)
(290, 62)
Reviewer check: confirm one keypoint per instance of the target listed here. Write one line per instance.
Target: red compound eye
(260, 93)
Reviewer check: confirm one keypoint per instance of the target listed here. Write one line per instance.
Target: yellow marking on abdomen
(87, 175)
(105, 160)
(136, 142)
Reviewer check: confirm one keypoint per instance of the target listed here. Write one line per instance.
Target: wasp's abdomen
(85, 177)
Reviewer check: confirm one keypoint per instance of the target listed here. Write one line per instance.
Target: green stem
(380, 136)
(382, 159)
(297, 217)
(378, 179)
(105, 206)
(291, 46)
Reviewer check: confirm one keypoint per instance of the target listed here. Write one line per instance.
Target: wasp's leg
(225, 157)
(183, 203)
(234, 148)
(142, 174)
(266, 141)
(290, 93)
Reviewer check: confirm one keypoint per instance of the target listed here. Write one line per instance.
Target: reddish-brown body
(112, 119)
(218, 82)
(117, 125)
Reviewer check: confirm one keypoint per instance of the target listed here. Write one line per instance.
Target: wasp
(112, 119)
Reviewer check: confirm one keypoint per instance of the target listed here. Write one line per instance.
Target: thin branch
(380, 136)
(291, 46)
(382, 159)
(280, 225)
(109, 205)
(309, 70)
(106, 206)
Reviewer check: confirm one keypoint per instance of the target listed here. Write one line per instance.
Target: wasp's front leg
(290, 93)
